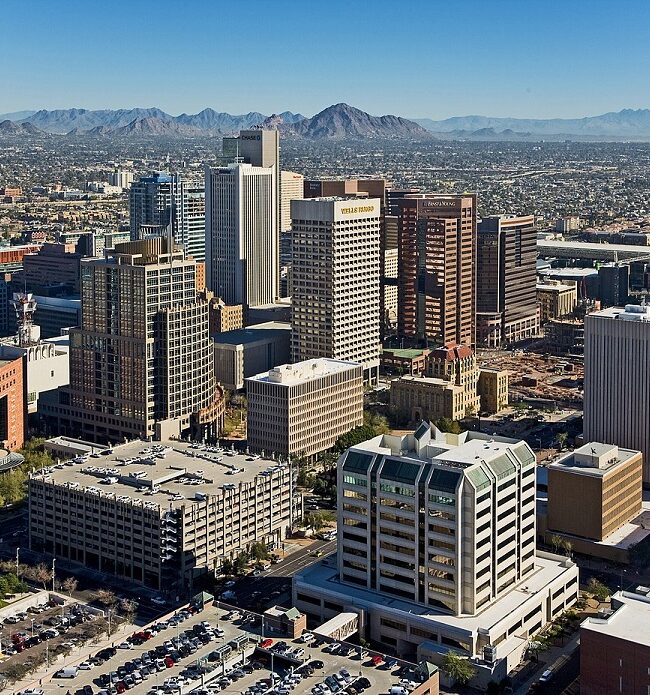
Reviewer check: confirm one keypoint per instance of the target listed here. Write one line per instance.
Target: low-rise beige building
(493, 389)
(303, 408)
(603, 481)
(225, 317)
(556, 300)
(427, 398)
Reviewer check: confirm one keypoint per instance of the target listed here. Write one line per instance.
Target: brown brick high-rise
(437, 279)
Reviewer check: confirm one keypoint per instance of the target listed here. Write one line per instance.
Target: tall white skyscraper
(335, 280)
(617, 379)
(161, 198)
(241, 234)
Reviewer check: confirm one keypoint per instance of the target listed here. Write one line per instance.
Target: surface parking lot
(224, 658)
(42, 629)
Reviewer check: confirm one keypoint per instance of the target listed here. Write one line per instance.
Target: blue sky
(417, 58)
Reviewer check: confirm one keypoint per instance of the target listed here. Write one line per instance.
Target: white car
(85, 666)
(125, 645)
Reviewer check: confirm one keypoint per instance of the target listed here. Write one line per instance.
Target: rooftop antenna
(25, 307)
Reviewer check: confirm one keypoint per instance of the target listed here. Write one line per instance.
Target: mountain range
(336, 122)
(628, 123)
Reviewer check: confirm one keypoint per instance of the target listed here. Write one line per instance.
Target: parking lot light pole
(17, 564)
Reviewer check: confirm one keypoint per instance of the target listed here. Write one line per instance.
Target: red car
(265, 644)
(169, 662)
(120, 687)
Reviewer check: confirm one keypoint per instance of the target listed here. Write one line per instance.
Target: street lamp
(17, 565)
(53, 572)
(32, 619)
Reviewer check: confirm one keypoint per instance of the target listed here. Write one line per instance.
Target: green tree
(355, 436)
(314, 521)
(258, 551)
(240, 563)
(458, 668)
(379, 423)
(227, 567)
(556, 542)
(562, 439)
(598, 589)
(445, 424)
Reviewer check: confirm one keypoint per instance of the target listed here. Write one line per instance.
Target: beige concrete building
(556, 300)
(601, 480)
(225, 317)
(492, 389)
(335, 281)
(617, 379)
(389, 291)
(291, 188)
(248, 351)
(160, 513)
(427, 398)
(302, 409)
(142, 357)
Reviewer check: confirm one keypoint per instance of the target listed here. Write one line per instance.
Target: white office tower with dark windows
(241, 234)
(436, 549)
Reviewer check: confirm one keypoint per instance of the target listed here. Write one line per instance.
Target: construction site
(538, 377)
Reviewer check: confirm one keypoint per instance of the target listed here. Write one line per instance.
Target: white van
(67, 672)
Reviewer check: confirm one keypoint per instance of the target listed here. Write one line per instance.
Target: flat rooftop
(324, 575)
(405, 353)
(555, 287)
(628, 622)
(631, 312)
(576, 461)
(428, 381)
(162, 473)
(253, 334)
(301, 372)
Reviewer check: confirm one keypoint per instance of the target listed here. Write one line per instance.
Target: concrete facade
(335, 281)
(302, 409)
(615, 648)
(436, 550)
(161, 513)
(556, 300)
(617, 379)
(242, 241)
(248, 351)
(142, 354)
(603, 481)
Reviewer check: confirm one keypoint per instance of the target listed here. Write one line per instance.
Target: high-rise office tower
(506, 301)
(335, 257)
(241, 234)
(291, 188)
(617, 379)
(142, 361)
(437, 275)
(160, 199)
